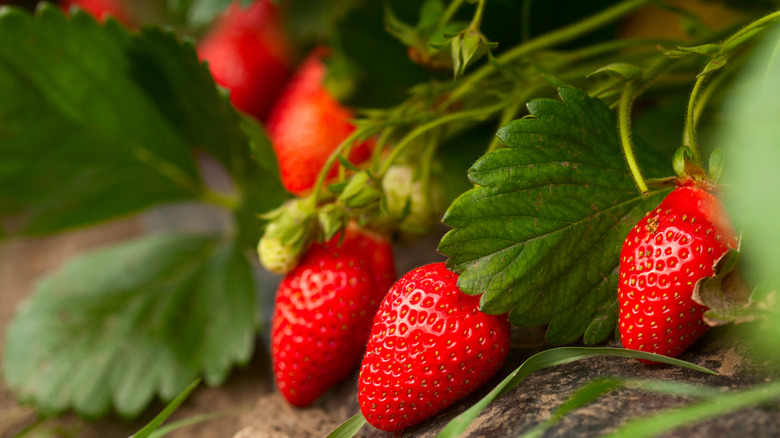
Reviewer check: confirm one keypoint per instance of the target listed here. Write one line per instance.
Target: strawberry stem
(476, 22)
(475, 114)
(746, 33)
(381, 141)
(624, 127)
(452, 8)
(346, 144)
(690, 119)
(228, 202)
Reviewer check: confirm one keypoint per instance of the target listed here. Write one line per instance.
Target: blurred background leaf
(750, 135)
(119, 325)
(123, 114)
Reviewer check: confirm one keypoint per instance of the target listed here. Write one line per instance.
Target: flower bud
(292, 228)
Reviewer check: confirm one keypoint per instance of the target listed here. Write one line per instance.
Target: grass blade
(581, 397)
(548, 358)
(687, 415)
(168, 428)
(349, 428)
(598, 387)
(157, 421)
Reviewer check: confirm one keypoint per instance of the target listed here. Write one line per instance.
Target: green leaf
(157, 421)
(119, 325)
(541, 233)
(545, 359)
(350, 427)
(99, 122)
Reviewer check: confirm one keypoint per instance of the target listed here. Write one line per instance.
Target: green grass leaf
(158, 420)
(598, 387)
(350, 427)
(712, 407)
(548, 358)
(541, 232)
(119, 325)
(98, 122)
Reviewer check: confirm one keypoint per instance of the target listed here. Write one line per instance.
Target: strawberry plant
(553, 155)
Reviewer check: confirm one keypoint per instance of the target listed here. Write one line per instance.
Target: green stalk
(344, 145)
(475, 114)
(210, 196)
(450, 12)
(525, 30)
(550, 39)
(476, 22)
(624, 127)
(427, 160)
(749, 31)
(690, 125)
(376, 154)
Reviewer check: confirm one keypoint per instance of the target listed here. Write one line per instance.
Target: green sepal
(710, 50)
(332, 220)
(717, 164)
(726, 294)
(714, 64)
(362, 191)
(622, 69)
(684, 166)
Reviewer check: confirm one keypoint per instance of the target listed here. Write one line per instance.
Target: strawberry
(429, 346)
(307, 124)
(323, 313)
(101, 9)
(248, 54)
(663, 258)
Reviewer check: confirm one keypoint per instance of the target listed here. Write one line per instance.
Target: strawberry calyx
(725, 294)
(291, 229)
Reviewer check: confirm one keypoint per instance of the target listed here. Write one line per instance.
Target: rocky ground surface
(247, 406)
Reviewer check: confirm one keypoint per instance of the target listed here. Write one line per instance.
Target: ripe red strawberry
(248, 54)
(663, 257)
(323, 314)
(307, 124)
(429, 346)
(101, 9)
